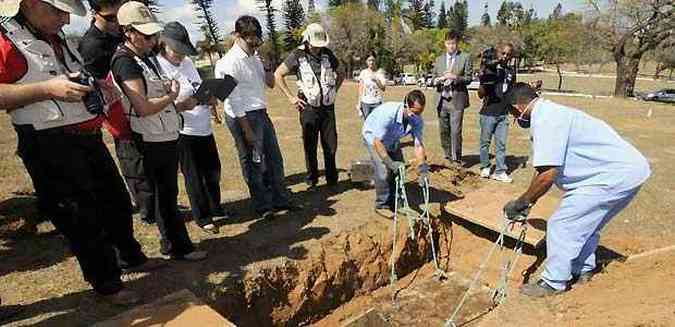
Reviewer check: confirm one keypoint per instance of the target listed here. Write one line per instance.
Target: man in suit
(452, 73)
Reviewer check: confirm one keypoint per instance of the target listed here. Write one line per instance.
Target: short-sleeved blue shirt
(588, 152)
(386, 123)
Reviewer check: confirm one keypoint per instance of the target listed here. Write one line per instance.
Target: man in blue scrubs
(599, 172)
(382, 131)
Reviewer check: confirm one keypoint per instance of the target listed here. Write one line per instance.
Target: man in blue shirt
(382, 131)
(599, 172)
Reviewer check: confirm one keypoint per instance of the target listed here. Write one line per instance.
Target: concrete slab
(174, 310)
(484, 207)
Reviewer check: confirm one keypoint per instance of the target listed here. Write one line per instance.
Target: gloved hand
(422, 173)
(392, 165)
(517, 209)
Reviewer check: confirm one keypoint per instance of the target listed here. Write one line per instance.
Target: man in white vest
(318, 82)
(59, 139)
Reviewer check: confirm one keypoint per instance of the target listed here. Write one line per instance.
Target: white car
(407, 79)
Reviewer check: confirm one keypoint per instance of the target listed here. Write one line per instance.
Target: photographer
(56, 112)
(497, 77)
(154, 122)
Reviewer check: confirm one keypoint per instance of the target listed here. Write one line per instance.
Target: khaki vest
(318, 92)
(162, 126)
(44, 65)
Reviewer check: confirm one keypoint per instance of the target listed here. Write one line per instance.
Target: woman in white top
(197, 150)
(371, 87)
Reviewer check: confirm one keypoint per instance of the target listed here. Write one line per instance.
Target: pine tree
(208, 24)
(429, 14)
(485, 19)
(294, 19)
(153, 5)
(311, 7)
(415, 13)
(458, 17)
(557, 12)
(269, 11)
(442, 22)
(335, 3)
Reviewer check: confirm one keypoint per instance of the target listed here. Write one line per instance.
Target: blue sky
(227, 11)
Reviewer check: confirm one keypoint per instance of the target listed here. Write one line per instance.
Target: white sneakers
(502, 177)
(485, 172)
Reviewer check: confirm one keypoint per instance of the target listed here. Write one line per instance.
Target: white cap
(315, 35)
(139, 17)
(9, 8)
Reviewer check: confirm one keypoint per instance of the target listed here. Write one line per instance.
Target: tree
(442, 21)
(294, 21)
(334, 3)
(208, 46)
(311, 7)
(415, 13)
(374, 4)
(458, 17)
(153, 5)
(485, 19)
(511, 14)
(350, 29)
(429, 14)
(557, 12)
(208, 25)
(629, 29)
(272, 35)
(559, 41)
(665, 59)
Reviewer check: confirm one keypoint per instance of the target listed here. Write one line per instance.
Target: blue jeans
(384, 179)
(265, 180)
(367, 108)
(499, 127)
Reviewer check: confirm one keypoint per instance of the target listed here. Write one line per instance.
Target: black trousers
(131, 165)
(86, 201)
(160, 161)
(200, 165)
(319, 122)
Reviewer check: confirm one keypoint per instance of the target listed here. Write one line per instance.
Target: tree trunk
(213, 65)
(560, 77)
(626, 73)
(658, 70)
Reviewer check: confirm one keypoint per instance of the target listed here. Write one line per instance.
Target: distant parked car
(665, 95)
(407, 79)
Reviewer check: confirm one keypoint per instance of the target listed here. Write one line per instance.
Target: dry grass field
(38, 273)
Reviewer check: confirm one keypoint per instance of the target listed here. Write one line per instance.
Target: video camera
(488, 66)
(93, 100)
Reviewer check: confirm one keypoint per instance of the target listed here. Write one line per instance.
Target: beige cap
(139, 17)
(9, 8)
(315, 35)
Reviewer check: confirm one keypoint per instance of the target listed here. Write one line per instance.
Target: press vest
(317, 91)
(159, 127)
(44, 65)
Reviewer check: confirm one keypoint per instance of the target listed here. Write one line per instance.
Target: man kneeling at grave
(382, 131)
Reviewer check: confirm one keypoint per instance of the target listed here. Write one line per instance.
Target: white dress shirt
(249, 95)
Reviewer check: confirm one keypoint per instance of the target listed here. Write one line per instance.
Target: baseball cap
(9, 8)
(176, 36)
(315, 35)
(138, 16)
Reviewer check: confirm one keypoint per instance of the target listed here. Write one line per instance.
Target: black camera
(93, 100)
(489, 63)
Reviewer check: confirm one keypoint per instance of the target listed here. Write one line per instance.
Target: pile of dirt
(300, 292)
(453, 179)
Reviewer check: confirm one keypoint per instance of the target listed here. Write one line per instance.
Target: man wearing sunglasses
(382, 131)
(496, 79)
(97, 47)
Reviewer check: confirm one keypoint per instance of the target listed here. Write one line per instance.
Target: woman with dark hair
(371, 87)
(197, 150)
(153, 115)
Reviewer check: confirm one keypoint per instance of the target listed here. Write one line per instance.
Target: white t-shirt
(197, 121)
(371, 92)
(249, 95)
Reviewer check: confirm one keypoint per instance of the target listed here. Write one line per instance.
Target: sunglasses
(112, 18)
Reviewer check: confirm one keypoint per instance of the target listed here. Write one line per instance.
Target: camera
(93, 100)
(488, 66)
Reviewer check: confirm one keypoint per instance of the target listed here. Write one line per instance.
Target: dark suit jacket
(463, 68)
